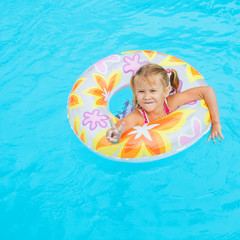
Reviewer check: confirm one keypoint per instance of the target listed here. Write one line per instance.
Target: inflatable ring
(88, 110)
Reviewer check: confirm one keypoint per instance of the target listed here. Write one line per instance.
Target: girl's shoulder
(172, 102)
(134, 118)
(131, 120)
(176, 100)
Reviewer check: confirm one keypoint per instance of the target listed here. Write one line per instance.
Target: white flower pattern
(143, 130)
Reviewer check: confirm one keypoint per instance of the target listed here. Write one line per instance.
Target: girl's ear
(167, 91)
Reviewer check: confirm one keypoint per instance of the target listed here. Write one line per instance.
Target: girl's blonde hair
(154, 69)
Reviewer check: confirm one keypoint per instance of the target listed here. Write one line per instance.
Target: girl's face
(151, 94)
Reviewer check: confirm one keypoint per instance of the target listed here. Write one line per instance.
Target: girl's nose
(146, 96)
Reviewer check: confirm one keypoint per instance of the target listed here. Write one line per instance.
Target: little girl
(150, 87)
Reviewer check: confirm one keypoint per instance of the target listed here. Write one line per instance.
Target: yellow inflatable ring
(89, 114)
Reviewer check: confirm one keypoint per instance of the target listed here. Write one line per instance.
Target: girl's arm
(133, 119)
(207, 93)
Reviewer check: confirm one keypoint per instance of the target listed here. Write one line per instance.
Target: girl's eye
(140, 91)
(153, 90)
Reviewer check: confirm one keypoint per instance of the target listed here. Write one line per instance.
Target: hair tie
(168, 70)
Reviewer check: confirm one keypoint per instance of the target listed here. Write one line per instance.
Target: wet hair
(154, 69)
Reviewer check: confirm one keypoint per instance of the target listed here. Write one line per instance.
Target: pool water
(120, 104)
(51, 185)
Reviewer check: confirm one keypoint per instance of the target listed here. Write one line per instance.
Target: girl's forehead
(149, 81)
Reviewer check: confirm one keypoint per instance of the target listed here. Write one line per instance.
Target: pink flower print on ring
(101, 65)
(133, 64)
(95, 119)
(196, 127)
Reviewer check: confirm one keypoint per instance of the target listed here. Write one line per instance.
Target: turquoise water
(51, 186)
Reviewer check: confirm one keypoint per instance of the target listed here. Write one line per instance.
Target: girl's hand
(113, 134)
(215, 132)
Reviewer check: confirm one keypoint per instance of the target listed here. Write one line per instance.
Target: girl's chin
(148, 108)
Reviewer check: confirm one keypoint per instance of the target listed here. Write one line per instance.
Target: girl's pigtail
(134, 100)
(174, 81)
